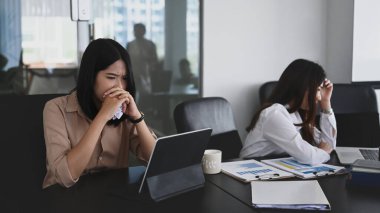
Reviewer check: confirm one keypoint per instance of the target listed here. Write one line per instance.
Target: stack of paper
(249, 170)
(289, 195)
(304, 170)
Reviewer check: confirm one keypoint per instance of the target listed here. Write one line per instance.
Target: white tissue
(118, 113)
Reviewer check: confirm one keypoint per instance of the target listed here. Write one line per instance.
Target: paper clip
(266, 176)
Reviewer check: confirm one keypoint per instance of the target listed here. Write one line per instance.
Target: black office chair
(211, 112)
(357, 117)
(23, 157)
(266, 90)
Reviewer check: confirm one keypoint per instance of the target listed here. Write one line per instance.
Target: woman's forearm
(80, 155)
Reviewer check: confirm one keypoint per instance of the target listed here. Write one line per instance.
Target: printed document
(304, 170)
(306, 194)
(249, 170)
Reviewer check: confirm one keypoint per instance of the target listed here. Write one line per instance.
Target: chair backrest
(356, 112)
(23, 156)
(19, 80)
(210, 112)
(266, 90)
(354, 98)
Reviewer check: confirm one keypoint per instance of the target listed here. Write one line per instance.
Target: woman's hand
(326, 92)
(125, 99)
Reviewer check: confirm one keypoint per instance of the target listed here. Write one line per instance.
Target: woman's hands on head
(116, 97)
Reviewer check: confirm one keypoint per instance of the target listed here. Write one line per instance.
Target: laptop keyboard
(370, 154)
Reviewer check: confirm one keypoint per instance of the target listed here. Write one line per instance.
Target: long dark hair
(98, 55)
(299, 77)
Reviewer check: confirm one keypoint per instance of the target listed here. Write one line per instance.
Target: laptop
(348, 155)
(175, 165)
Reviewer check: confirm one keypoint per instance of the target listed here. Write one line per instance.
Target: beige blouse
(65, 124)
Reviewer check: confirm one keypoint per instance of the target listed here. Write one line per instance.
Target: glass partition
(39, 49)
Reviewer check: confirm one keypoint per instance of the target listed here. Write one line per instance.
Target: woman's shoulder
(57, 100)
(276, 108)
(60, 101)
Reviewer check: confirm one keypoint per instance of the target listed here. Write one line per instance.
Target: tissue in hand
(118, 113)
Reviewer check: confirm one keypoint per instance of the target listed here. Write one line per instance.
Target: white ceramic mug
(212, 161)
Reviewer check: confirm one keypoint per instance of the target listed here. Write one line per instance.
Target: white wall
(249, 42)
(366, 41)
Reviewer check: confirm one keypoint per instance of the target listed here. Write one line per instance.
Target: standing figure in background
(144, 60)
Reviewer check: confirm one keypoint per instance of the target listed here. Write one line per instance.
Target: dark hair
(299, 77)
(184, 62)
(139, 26)
(3, 61)
(98, 55)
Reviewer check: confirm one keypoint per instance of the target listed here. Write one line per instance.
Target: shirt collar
(72, 102)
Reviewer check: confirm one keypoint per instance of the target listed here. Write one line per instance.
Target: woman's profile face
(113, 76)
(305, 102)
(318, 96)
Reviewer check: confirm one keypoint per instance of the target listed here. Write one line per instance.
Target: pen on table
(322, 173)
(266, 176)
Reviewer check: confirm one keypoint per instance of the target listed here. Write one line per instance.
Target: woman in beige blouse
(83, 130)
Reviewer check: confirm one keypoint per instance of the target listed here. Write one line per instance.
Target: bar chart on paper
(303, 170)
(249, 170)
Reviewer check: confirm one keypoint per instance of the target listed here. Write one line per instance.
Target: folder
(305, 171)
(306, 195)
(366, 165)
(365, 173)
(249, 170)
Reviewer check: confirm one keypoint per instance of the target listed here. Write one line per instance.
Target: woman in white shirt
(285, 124)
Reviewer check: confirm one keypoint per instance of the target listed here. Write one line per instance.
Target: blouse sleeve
(328, 129)
(279, 129)
(135, 143)
(57, 144)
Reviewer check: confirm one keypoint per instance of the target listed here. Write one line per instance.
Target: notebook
(249, 170)
(175, 166)
(306, 195)
(348, 155)
(304, 170)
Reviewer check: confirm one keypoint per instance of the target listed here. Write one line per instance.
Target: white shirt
(275, 134)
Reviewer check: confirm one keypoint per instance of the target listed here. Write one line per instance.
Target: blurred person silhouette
(3, 62)
(6, 77)
(186, 76)
(3, 74)
(144, 60)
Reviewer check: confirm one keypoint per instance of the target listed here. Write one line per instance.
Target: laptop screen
(348, 155)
